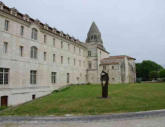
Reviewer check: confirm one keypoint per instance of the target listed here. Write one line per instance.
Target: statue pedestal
(104, 90)
(104, 84)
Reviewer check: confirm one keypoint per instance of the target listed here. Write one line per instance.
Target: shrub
(138, 80)
(153, 75)
(162, 73)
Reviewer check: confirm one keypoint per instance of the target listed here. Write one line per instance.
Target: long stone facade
(36, 59)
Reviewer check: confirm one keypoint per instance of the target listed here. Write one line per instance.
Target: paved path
(142, 119)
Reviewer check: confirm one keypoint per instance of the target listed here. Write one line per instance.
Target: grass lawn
(85, 99)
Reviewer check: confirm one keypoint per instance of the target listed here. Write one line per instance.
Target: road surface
(143, 119)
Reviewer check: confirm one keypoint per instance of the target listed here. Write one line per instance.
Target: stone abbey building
(36, 59)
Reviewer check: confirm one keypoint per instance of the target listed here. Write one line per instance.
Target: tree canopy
(147, 69)
(162, 73)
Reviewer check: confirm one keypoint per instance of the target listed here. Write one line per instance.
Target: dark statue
(104, 83)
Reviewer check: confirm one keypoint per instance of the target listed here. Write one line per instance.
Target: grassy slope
(85, 100)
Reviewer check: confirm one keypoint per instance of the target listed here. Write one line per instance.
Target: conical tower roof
(94, 35)
(94, 29)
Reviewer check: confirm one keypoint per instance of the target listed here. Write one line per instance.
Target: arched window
(34, 34)
(92, 37)
(95, 37)
(34, 52)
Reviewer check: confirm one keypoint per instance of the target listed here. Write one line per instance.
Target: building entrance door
(4, 101)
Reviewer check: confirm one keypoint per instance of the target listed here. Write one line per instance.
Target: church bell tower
(96, 50)
(94, 35)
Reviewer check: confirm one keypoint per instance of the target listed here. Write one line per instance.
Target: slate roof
(94, 28)
(118, 57)
(25, 17)
(112, 60)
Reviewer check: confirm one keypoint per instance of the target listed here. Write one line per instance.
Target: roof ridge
(14, 12)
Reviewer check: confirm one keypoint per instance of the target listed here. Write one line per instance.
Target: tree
(144, 69)
(162, 73)
(154, 75)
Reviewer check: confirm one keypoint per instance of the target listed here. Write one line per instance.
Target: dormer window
(34, 34)
(46, 26)
(26, 17)
(54, 30)
(13, 11)
(1, 5)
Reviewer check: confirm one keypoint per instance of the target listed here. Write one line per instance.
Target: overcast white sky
(129, 27)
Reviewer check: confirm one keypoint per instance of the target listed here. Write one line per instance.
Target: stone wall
(20, 66)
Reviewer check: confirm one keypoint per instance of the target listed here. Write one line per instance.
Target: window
(80, 63)
(104, 67)
(44, 56)
(45, 38)
(34, 34)
(54, 58)
(84, 63)
(6, 25)
(67, 77)
(61, 59)
(33, 77)
(95, 37)
(53, 77)
(22, 30)
(61, 44)
(89, 65)
(113, 68)
(5, 47)
(92, 37)
(89, 53)
(34, 52)
(79, 51)
(68, 60)
(21, 50)
(74, 49)
(74, 61)
(68, 46)
(4, 76)
(54, 42)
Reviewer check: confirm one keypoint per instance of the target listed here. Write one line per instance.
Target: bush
(2, 108)
(153, 75)
(162, 73)
(138, 80)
